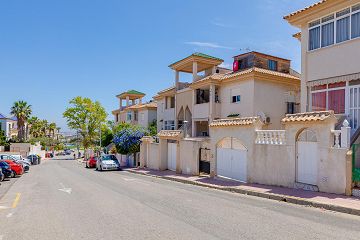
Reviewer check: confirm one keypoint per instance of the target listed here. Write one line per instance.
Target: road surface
(60, 199)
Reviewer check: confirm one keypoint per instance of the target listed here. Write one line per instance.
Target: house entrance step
(356, 192)
(306, 187)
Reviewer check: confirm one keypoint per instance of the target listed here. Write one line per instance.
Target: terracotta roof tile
(226, 122)
(308, 116)
(305, 9)
(170, 133)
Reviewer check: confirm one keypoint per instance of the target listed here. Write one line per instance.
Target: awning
(344, 78)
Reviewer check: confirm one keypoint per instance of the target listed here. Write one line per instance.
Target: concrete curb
(271, 196)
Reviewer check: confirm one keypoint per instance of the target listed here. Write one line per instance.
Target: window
(169, 125)
(355, 25)
(128, 116)
(318, 101)
(236, 98)
(202, 96)
(329, 97)
(343, 26)
(290, 108)
(314, 38)
(338, 27)
(327, 31)
(172, 102)
(272, 65)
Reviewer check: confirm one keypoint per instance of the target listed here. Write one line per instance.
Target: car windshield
(109, 157)
(3, 164)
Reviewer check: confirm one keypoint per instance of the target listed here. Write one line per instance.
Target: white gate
(232, 159)
(354, 107)
(307, 158)
(172, 156)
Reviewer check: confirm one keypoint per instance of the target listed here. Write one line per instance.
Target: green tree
(22, 111)
(3, 141)
(152, 129)
(86, 117)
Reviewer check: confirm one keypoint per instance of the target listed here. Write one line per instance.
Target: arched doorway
(307, 157)
(231, 159)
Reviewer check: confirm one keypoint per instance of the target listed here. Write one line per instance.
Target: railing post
(337, 140)
(345, 135)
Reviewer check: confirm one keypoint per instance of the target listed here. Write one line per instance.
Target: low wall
(153, 156)
(2, 148)
(273, 165)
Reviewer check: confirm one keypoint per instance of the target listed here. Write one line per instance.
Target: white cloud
(208, 45)
(226, 65)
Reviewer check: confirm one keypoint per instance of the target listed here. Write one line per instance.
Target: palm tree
(52, 128)
(34, 124)
(22, 111)
(44, 127)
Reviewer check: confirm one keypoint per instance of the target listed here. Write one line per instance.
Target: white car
(107, 162)
(20, 158)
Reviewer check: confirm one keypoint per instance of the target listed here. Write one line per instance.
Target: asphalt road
(60, 199)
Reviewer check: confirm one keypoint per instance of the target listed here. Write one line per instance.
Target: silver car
(107, 162)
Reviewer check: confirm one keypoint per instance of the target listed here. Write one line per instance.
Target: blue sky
(54, 50)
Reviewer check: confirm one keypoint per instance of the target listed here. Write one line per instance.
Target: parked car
(91, 162)
(17, 160)
(49, 155)
(6, 170)
(107, 162)
(17, 168)
(20, 158)
(34, 159)
(67, 152)
(2, 176)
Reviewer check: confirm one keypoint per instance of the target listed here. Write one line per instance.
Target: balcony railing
(271, 137)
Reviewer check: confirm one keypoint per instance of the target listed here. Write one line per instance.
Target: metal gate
(204, 161)
(356, 162)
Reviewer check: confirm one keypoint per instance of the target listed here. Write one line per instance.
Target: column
(127, 101)
(195, 71)
(347, 99)
(212, 103)
(121, 103)
(176, 80)
(213, 70)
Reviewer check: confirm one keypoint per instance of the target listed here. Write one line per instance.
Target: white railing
(271, 137)
(342, 137)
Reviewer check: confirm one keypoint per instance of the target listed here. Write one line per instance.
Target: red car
(91, 162)
(16, 168)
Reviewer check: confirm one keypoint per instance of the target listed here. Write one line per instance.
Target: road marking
(1, 237)
(65, 189)
(16, 200)
(3, 207)
(129, 179)
(9, 215)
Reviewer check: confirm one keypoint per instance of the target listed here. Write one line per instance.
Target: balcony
(169, 114)
(201, 110)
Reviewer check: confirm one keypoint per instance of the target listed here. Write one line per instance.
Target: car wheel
(13, 174)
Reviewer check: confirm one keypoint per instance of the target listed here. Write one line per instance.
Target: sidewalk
(333, 202)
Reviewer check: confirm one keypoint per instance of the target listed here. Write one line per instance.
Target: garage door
(232, 159)
(172, 156)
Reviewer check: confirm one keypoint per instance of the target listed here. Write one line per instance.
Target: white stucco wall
(246, 91)
(276, 165)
